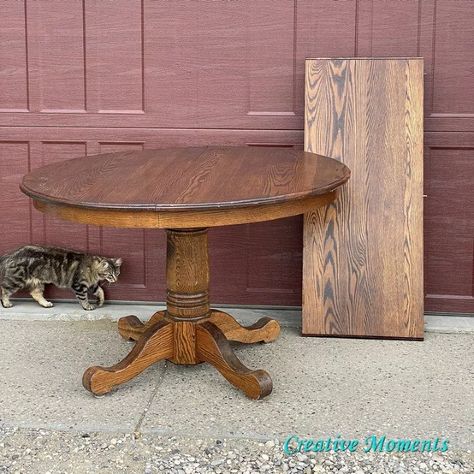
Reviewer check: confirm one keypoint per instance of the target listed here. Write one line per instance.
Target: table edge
(184, 219)
(228, 205)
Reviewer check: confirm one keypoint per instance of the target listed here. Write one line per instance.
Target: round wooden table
(186, 191)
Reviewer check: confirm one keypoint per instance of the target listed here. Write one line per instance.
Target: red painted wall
(86, 77)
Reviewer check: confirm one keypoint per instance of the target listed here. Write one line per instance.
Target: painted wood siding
(86, 77)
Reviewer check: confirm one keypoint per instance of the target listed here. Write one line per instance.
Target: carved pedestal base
(188, 332)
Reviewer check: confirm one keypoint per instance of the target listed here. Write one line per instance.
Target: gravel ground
(42, 452)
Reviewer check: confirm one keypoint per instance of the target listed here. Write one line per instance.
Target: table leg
(264, 330)
(188, 332)
(155, 344)
(213, 347)
(131, 328)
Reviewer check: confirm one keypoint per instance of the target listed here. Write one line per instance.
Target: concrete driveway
(323, 388)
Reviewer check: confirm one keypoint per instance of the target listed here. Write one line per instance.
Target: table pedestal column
(188, 332)
(187, 298)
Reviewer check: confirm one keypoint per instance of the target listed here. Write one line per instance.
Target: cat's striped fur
(33, 266)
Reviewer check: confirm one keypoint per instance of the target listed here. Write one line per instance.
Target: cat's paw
(7, 305)
(100, 296)
(89, 307)
(47, 304)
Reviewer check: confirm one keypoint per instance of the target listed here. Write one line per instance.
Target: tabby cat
(33, 266)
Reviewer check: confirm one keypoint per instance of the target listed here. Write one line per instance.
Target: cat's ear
(104, 264)
(117, 261)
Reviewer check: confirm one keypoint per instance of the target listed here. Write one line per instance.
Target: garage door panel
(56, 231)
(13, 77)
(56, 56)
(449, 263)
(388, 28)
(453, 56)
(113, 34)
(449, 186)
(97, 76)
(449, 222)
(446, 42)
(228, 254)
(275, 261)
(270, 58)
(15, 227)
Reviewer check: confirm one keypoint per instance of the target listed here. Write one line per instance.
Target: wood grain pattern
(187, 274)
(264, 330)
(131, 328)
(214, 348)
(184, 219)
(186, 179)
(144, 251)
(155, 345)
(362, 266)
(186, 343)
(258, 182)
(188, 332)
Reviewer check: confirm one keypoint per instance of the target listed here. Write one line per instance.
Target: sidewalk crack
(136, 431)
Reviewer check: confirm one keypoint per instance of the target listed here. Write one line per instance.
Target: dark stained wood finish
(189, 183)
(131, 328)
(363, 255)
(188, 332)
(213, 347)
(186, 179)
(206, 341)
(264, 330)
(184, 219)
(155, 345)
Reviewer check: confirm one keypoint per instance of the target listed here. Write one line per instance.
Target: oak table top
(185, 191)
(162, 183)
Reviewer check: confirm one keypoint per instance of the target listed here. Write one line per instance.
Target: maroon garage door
(87, 77)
